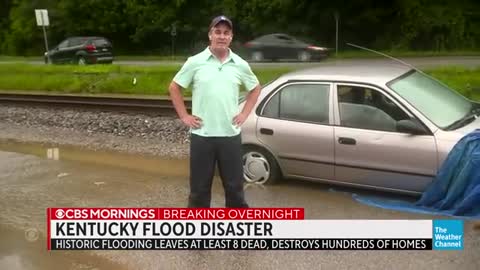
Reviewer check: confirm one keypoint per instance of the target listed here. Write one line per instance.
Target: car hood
(470, 127)
(456, 135)
(446, 140)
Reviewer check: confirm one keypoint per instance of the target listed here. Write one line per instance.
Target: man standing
(217, 74)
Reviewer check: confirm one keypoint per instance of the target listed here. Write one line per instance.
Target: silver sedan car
(385, 127)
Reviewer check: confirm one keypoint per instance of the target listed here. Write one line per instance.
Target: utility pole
(337, 18)
(173, 33)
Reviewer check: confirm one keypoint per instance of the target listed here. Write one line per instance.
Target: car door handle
(348, 141)
(266, 131)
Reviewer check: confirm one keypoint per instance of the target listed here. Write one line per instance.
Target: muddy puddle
(34, 177)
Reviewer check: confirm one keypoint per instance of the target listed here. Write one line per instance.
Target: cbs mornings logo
(102, 213)
(71, 213)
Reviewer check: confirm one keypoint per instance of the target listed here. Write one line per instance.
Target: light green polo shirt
(215, 90)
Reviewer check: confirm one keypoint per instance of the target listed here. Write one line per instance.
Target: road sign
(173, 31)
(42, 20)
(42, 17)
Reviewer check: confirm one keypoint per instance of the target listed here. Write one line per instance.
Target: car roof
(278, 34)
(363, 73)
(273, 35)
(86, 37)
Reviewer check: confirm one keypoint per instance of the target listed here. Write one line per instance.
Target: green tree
(143, 26)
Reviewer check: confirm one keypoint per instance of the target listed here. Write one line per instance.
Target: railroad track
(122, 104)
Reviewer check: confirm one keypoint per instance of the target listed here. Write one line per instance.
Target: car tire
(257, 56)
(259, 166)
(304, 56)
(81, 61)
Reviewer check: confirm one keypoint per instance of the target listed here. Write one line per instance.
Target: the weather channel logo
(448, 234)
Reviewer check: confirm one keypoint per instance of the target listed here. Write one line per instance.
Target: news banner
(239, 229)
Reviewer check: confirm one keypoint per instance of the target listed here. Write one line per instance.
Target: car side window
(284, 38)
(300, 102)
(366, 108)
(63, 45)
(76, 42)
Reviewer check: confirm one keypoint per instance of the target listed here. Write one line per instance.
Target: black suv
(81, 51)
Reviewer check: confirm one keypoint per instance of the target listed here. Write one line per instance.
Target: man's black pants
(205, 152)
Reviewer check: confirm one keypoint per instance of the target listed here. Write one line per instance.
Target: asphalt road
(466, 61)
(420, 62)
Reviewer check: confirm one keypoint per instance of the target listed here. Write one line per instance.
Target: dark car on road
(283, 46)
(81, 51)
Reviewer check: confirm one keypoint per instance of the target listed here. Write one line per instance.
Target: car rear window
(300, 102)
(101, 42)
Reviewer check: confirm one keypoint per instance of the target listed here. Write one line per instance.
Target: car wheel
(304, 56)
(259, 166)
(257, 56)
(81, 61)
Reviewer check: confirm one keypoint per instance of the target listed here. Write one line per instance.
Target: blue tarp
(454, 192)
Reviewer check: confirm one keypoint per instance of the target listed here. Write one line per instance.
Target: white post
(46, 41)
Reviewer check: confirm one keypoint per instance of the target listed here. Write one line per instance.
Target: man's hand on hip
(192, 121)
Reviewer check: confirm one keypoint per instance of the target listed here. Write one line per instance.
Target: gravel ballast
(164, 136)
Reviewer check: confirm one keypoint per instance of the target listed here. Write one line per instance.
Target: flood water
(35, 177)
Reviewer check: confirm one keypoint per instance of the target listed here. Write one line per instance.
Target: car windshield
(442, 105)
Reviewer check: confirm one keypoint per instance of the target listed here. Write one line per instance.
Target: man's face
(220, 36)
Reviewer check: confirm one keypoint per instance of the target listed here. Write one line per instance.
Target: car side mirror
(411, 126)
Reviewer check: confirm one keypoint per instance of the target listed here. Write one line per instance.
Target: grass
(100, 79)
(180, 58)
(154, 80)
(7, 58)
(466, 81)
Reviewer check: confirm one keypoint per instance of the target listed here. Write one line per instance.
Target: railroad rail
(161, 105)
